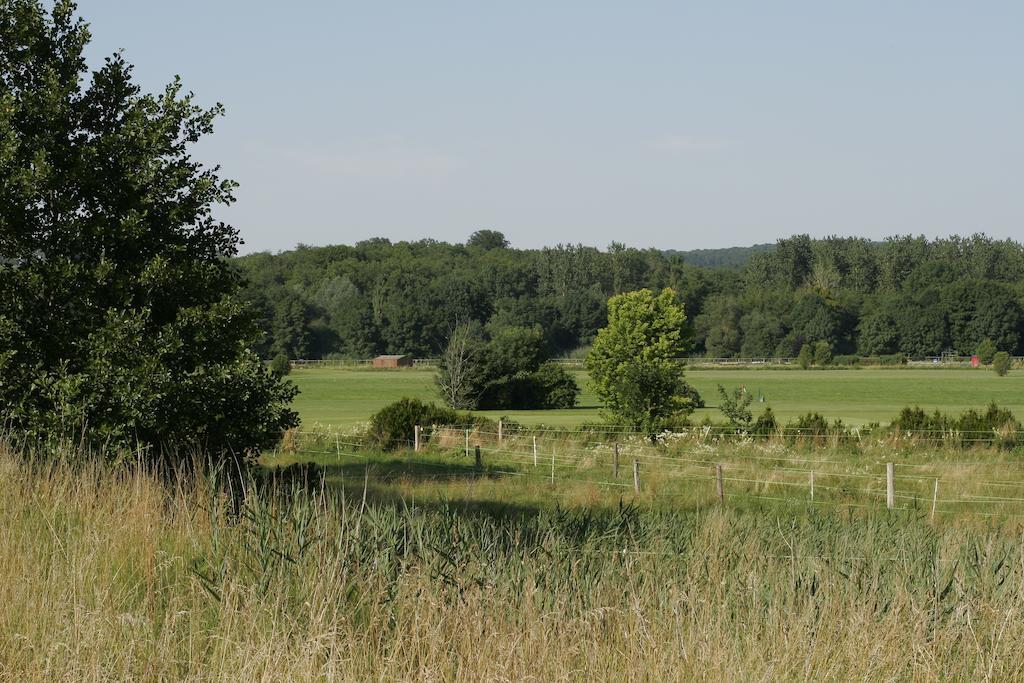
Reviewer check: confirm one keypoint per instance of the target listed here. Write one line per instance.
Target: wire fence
(988, 488)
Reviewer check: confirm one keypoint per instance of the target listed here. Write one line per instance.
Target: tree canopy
(119, 320)
(504, 368)
(634, 362)
(905, 295)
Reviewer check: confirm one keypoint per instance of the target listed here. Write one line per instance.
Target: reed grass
(107, 573)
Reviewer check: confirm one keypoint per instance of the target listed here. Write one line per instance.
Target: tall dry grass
(107, 573)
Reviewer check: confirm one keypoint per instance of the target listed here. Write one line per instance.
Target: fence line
(679, 464)
(603, 449)
(744, 470)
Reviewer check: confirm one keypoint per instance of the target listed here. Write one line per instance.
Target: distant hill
(730, 257)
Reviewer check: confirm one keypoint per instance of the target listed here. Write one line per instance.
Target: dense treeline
(729, 257)
(906, 295)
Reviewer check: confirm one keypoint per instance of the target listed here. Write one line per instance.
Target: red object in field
(974, 361)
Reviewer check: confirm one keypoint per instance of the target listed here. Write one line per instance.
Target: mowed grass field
(343, 397)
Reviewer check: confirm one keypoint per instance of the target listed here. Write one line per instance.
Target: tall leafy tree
(487, 240)
(118, 315)
(506, 370)
(633, 363)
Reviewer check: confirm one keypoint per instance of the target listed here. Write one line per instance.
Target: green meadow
(346, 396)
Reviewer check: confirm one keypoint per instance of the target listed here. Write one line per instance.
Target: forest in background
(905, 295)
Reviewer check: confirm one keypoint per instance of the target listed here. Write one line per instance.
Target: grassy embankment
(345, 396)
(107, 574)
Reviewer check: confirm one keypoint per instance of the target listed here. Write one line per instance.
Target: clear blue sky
(675, 125)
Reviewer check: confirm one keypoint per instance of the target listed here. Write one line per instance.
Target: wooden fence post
(812, 486)
(719, 483)
(636, 476)
(890, 486)
(479, 460)
(416, 438)
(467, 443)
(534, 451)
(500, 439)
(935, 498)
(615, 463)
(552, 465)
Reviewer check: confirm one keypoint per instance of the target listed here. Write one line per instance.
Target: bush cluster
(392, 426)
(996, 426)
(1001, 363)
(502, 368)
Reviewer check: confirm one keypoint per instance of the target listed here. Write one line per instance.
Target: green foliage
(487, 240)
(555, 387)
(633, 362)
(813, 428)
(806, 357)
(996, 426)
(512, 351)
(729, 257)
(280, 365)
(504, 372)
(987, 350)
(846, 360)
(393, 425)
(906, 295)
(119, 318)
(766, 424)
(822, 353)
(916, 420)
(995, 421)
(735, 405)
(690, 393)
(1001, 363)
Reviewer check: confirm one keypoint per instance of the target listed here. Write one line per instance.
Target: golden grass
(109, 574)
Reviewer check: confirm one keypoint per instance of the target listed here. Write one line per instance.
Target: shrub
(690, 392)
(503, 372)
(996, 426)
(735, 405)
(986, 351)
(766, 424)
(916, 420)
(280, 365)
(550, 386)
(892, 359)
(392, 426)
(813, 427)
(846, 360)
(822, 353)
(806, 356)
(555, 387)
(811, 423)
(1001, 363)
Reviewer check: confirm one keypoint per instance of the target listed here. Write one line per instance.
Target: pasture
(343, 397)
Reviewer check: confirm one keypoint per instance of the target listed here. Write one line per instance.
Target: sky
(674, 125)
